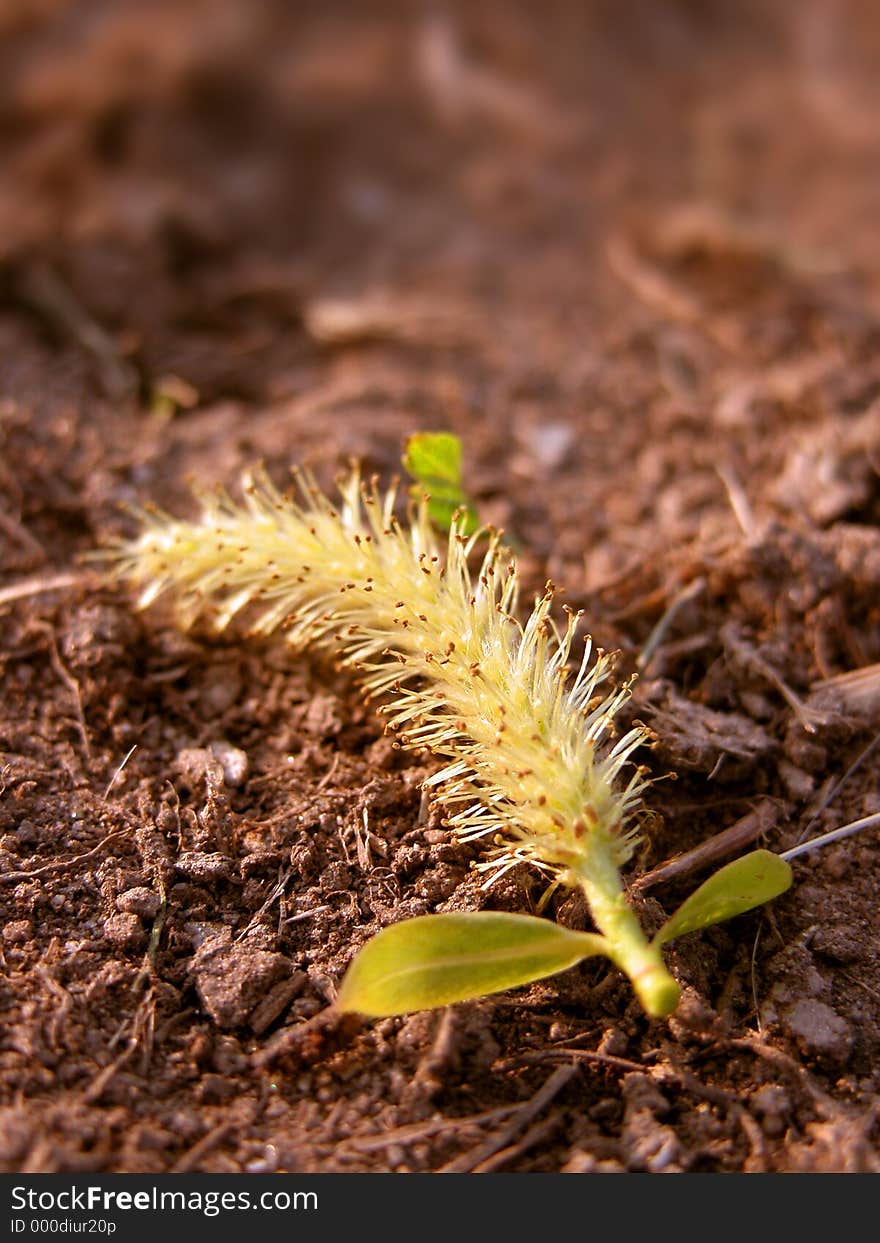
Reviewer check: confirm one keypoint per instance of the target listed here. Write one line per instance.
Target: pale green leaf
(434, 460)
(436, 456)
(437, 959)
(746, 883)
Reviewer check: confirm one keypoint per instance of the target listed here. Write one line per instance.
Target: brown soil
(628, 253)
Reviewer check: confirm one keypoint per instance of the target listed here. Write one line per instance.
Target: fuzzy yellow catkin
(531, 762)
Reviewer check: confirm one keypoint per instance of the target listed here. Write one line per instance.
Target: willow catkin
(531, 764)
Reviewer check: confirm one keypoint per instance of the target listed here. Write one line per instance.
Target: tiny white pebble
(233, 761)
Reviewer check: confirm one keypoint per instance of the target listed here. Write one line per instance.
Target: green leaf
(434, 461)
(747, 882)
(435, 456)
(437, 959)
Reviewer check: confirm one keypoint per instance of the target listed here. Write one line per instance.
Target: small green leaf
(747, 882)
(434, 456)
(434, 461)
(437, 959)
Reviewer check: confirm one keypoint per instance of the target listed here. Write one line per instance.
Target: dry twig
(526, 1113)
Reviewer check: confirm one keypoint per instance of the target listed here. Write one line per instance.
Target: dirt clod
(139, 901)
(232, 980)
(125, 932)
(818, 1030)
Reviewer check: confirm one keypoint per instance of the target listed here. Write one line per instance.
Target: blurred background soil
(628, 253)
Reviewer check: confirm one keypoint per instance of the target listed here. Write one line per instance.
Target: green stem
(628, 947)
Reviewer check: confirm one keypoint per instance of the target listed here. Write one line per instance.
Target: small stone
(125, 932)
(839, 943)
(819, 1031)
(201, 934)
(139, 901)
(267, 1164)
(232, 760)
(613, 1043)
(231, 979)
(798, 784)
(195, 865)
(18, 931)
(27, 833)
(549, 442)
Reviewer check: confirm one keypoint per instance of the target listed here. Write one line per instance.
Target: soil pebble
(195, 865)
(125, 931)
(232, 979)
(139, 901)
(18, 931)
(232, 760)
(819, 1031)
